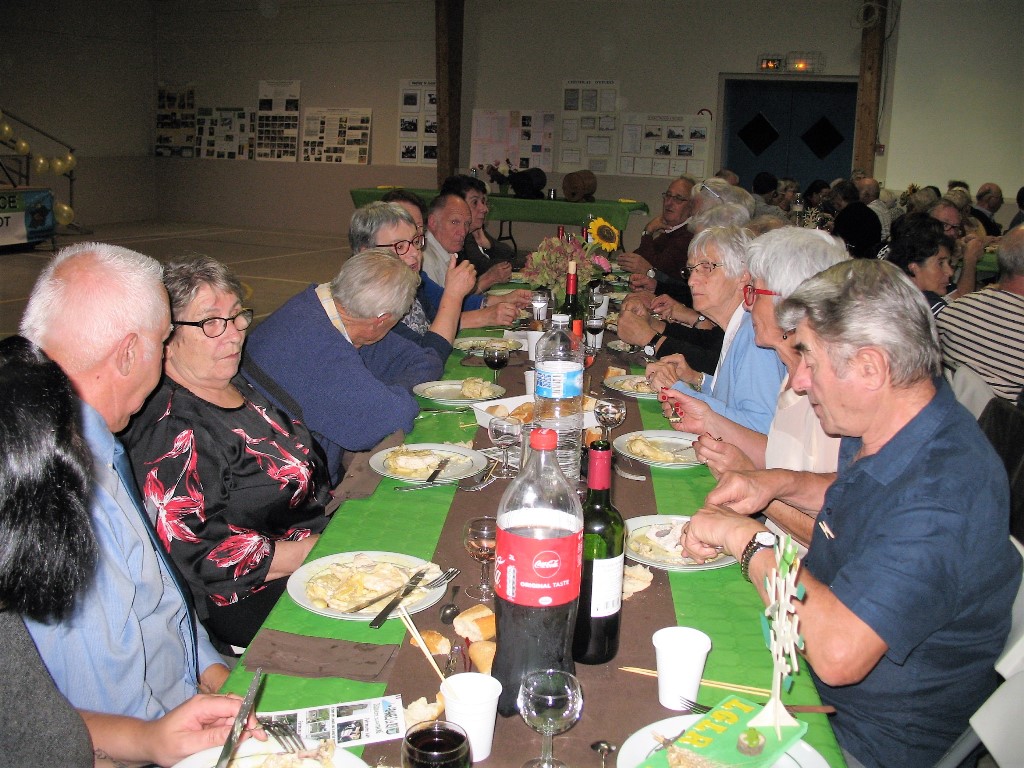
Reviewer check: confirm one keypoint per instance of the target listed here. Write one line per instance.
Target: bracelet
(700, 383)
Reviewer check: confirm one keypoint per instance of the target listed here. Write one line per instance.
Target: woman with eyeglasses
(236, 486)
(746, 380)
(779, 261)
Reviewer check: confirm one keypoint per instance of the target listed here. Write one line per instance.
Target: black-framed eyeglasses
(750, 293)
(704, 267)
(215, 326)
(704, 185)
(402, 246)
(666, 196)
(953, 229)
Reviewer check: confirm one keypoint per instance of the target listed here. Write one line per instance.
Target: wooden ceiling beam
(869, 89)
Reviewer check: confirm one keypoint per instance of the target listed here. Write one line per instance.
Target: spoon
(450, 609)
(604, 748)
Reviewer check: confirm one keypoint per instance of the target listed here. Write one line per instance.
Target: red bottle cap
(543, 439)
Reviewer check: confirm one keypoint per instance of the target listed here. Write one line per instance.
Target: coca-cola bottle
(596, 639)
(537, 567)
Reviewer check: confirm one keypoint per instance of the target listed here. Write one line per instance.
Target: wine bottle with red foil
(596, 639)
(572, 306)
(537, 567)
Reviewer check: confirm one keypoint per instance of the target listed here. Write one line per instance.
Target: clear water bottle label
(606, 591)
(557, 379)
(539, 573)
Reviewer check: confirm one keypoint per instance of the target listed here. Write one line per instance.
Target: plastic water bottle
(537, 569)
(558, 393)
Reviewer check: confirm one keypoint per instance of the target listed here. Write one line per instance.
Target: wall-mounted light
(771, 62)
(804, 62)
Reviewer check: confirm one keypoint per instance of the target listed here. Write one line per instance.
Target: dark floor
(273, 265)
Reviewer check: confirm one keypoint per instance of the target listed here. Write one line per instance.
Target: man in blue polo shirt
(911, 575)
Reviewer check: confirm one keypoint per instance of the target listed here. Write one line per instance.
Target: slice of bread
(476, 623)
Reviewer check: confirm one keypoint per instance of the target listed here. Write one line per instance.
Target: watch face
(649, 349)
(766, 538)
(650, 273)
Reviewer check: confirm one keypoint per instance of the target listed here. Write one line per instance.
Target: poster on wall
(417, 122)
(224, 133)
(175, 121)
(524, 138)
(277, 121)
(664, 145)
(589, 129)
(336, 135)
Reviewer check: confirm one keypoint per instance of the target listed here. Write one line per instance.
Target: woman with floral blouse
(236, 487)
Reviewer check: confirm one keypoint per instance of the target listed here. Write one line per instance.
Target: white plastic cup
(530, 377)
(532, 337)
(680, 653)
(471, 701)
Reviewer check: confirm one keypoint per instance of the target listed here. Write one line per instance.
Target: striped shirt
(985, 330)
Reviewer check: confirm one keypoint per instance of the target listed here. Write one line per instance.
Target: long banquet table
(428, 524)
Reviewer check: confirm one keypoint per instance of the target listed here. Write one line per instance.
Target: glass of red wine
(496, 357)
(435, 744)
(480, 538)
(595, 326)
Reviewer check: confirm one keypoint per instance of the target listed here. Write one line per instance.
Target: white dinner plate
(297, 584)
(666, 440)
(636, 530)
(249, 751)
(473, 462)
(635, 749)
(450, 392)
(474, 345)
(621, 384)
(501, 291)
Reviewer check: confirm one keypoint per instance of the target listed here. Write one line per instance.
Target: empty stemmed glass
(550, 702)
(496, 356)
(479, 540)
(539, 301)
(610, 413)
(505, 432)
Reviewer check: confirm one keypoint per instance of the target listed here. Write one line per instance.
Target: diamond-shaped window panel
(822, 138)
(758, 134)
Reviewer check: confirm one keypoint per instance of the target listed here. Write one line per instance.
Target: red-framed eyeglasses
(750, 293)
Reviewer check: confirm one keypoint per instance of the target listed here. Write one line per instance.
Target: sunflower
(604, 234)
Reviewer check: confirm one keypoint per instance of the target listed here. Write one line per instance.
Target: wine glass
(594, 325)
(479, 539)
(496, 357)
(610, 413)
(595, 299)
(435, 744)
(550, 702)
(505, 432)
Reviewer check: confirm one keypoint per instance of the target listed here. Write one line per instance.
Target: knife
(437, 470)
(240, 718)
(356, 608)
(410, 585)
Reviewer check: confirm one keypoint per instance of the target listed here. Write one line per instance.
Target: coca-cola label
(538, 573)
(556, 379)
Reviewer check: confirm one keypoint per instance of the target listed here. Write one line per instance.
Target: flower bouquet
(548, 265)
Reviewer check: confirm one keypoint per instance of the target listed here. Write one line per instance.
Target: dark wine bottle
(596, 639)
(572, 306)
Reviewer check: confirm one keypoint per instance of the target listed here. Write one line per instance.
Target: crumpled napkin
(283, 653)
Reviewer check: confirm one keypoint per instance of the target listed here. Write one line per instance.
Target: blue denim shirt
(127, 647)
(921, 553)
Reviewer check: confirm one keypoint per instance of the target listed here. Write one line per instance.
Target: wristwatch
(700, 383)
(651, 273)
(649, 349)
(761, 540)
(700, 319)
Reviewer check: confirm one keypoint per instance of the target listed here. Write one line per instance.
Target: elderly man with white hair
(911, 575)
(327, 356)
(132, 645)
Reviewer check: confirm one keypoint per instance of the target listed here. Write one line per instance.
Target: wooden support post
(449, 35)
(869, 89)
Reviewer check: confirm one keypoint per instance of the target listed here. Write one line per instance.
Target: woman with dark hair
(921, 248)
(482, 250)
(47, 555)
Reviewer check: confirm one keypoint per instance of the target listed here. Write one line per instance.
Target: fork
(283, 733)
(689, 708)
(443, 579)
(693, 707)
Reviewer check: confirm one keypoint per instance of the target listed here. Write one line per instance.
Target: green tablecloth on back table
(540, 211)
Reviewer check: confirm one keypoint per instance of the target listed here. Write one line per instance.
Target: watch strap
(700, 319)
(753, 547)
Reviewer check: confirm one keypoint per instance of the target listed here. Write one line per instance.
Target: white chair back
(998, 724)
(972, 391)
(1011, 661)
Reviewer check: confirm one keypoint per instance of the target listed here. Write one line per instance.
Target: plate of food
(659, 448)
(654, 540)
(632, 385)
(332, 584)
(459, 391)
(413, 463)
(257, 754)
(474, 345)
(635, 750)
(521, 407)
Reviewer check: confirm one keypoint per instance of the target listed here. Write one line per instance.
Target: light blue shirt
(127, 648)
(746, 388)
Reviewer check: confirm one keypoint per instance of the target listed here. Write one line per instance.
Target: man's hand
(498, 273)
(716, 528)
(639, 303)
(502, 313)
(460, 279)
(670, 309)
(635, 328)
(212, 678)
(669, 370)
(633, 262)
(641, 282)
(520, 297)
(746, 493)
